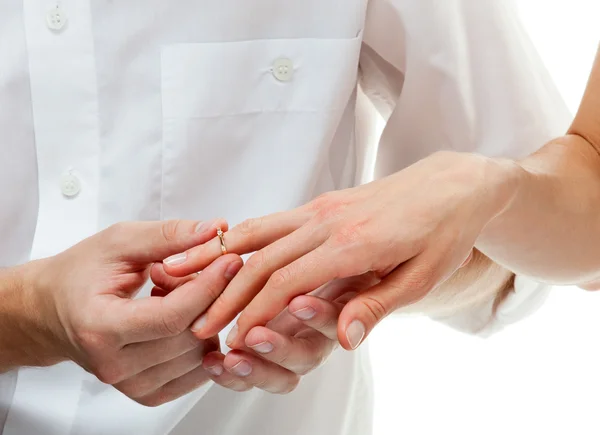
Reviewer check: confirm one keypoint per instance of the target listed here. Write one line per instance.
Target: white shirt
(152, 109)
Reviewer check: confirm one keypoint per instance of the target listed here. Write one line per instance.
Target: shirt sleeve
(459, 75)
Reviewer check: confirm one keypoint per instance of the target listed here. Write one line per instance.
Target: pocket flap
(271, 75)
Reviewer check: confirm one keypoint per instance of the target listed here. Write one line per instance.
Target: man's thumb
(149, 242)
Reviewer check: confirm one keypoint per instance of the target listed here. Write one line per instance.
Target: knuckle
(110, 373)
(415, 287)
(263, 384)
(134, 390)
(257, 262)
(169, 230)
(280, 278)
(290, 386)
(151, 401)
(327, 206)
(250, 227)
(314, 359)
(235, 385)
(281, 359)
(171, 322)
(423, 281)
(214, 290)
(305, 369)
(189, 341)
(375, 307)
(349, 234)
(325, 323)
(323, 200)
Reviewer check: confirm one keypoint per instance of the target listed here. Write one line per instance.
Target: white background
(540, 376)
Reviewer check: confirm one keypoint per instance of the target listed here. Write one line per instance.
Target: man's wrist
(25, 339)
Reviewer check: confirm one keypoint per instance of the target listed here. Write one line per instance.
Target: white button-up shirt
(152, 109)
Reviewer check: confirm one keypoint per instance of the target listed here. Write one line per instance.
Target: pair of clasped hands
(321, 275)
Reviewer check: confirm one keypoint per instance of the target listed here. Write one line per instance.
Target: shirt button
(56, 18)
(70, 185)
(283, 70)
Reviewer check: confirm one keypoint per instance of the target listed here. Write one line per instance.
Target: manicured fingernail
(355, 333)
(203, 226)
(243, 368)
(176, 260)
(216, 370)
(305, 313)
(232, 270)
(231, 336)
(264, 347)
(199, 324)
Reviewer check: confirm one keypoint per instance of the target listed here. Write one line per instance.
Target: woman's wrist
(491, 183)
(503, 181)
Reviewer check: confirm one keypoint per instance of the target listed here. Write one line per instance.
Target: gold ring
(221, 236)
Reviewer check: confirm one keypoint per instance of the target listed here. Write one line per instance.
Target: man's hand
(81, 303)
(413, 230)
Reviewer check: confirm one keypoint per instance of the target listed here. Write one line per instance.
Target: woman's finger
(299, 277)
(258, 270)
(249, 236)
(405, 285)
(338, 290)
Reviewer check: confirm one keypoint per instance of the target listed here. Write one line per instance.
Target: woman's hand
(299, 340)
(413, 230)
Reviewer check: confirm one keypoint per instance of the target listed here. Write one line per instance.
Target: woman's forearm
(551, 228)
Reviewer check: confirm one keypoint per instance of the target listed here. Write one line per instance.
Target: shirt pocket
(250, 114)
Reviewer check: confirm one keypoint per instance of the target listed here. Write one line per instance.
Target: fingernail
(176, 260)
(243, 368)
(232, 270)
(355, 333)
(203, 226)
(305, 313)
(264, 347)
(231, 336)
(215, 370)
(199, 324)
